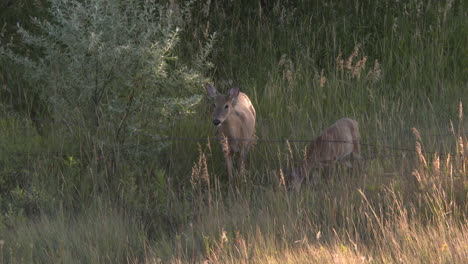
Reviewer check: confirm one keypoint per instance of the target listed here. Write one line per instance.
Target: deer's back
(245, 106)
(335, 142)
(345, 129)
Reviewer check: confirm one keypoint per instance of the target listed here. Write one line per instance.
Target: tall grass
(391, 65)
(415, 214)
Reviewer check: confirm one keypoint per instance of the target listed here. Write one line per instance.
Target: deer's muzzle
(216, 122)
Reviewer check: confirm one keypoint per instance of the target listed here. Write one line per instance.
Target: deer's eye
(226, 106)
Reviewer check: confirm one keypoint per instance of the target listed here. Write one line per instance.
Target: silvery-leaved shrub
(108, 68)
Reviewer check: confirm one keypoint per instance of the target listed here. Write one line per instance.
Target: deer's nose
(216, 122)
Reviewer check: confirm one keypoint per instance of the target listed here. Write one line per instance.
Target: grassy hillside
(70, 193)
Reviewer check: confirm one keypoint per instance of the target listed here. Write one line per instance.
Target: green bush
(108, 68)
(109, 74)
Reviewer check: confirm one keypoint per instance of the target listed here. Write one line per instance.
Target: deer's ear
(211, 90)
(233, 93)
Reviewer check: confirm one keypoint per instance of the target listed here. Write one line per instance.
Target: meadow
(148, 183)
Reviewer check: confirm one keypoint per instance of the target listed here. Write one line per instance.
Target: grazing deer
(337, 142)
(234, 115)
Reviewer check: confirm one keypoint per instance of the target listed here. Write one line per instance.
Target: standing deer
(337, 142)
(234, 115)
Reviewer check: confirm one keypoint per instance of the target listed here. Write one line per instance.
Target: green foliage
(108, 73)
(109, 65)
(16, 93)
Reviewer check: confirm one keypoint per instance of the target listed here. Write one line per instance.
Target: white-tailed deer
(234, 115)
(335, 144)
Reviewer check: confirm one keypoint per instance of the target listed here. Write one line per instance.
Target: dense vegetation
(91, 90)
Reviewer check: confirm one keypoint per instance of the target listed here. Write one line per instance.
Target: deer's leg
(296, 184)
(243, 157)
(299, 177)
(227, 155)
(228, 158)
(356, 153)
(355, 156)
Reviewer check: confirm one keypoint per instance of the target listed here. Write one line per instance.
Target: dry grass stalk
(349, 61)
(376, 73)
(452, 128)
(436, 165)
(200, 170)
(418, 147)
(418, 176)
(282, 180)
(322, 79)
(355, 69)
(225, 144)
(287, 67)
(288, 145)
(447, 161)
(461, 146)
(241, 247)
(460, 111)
(416, 134)
(339, 62)
(358, 67)
(421, 157)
